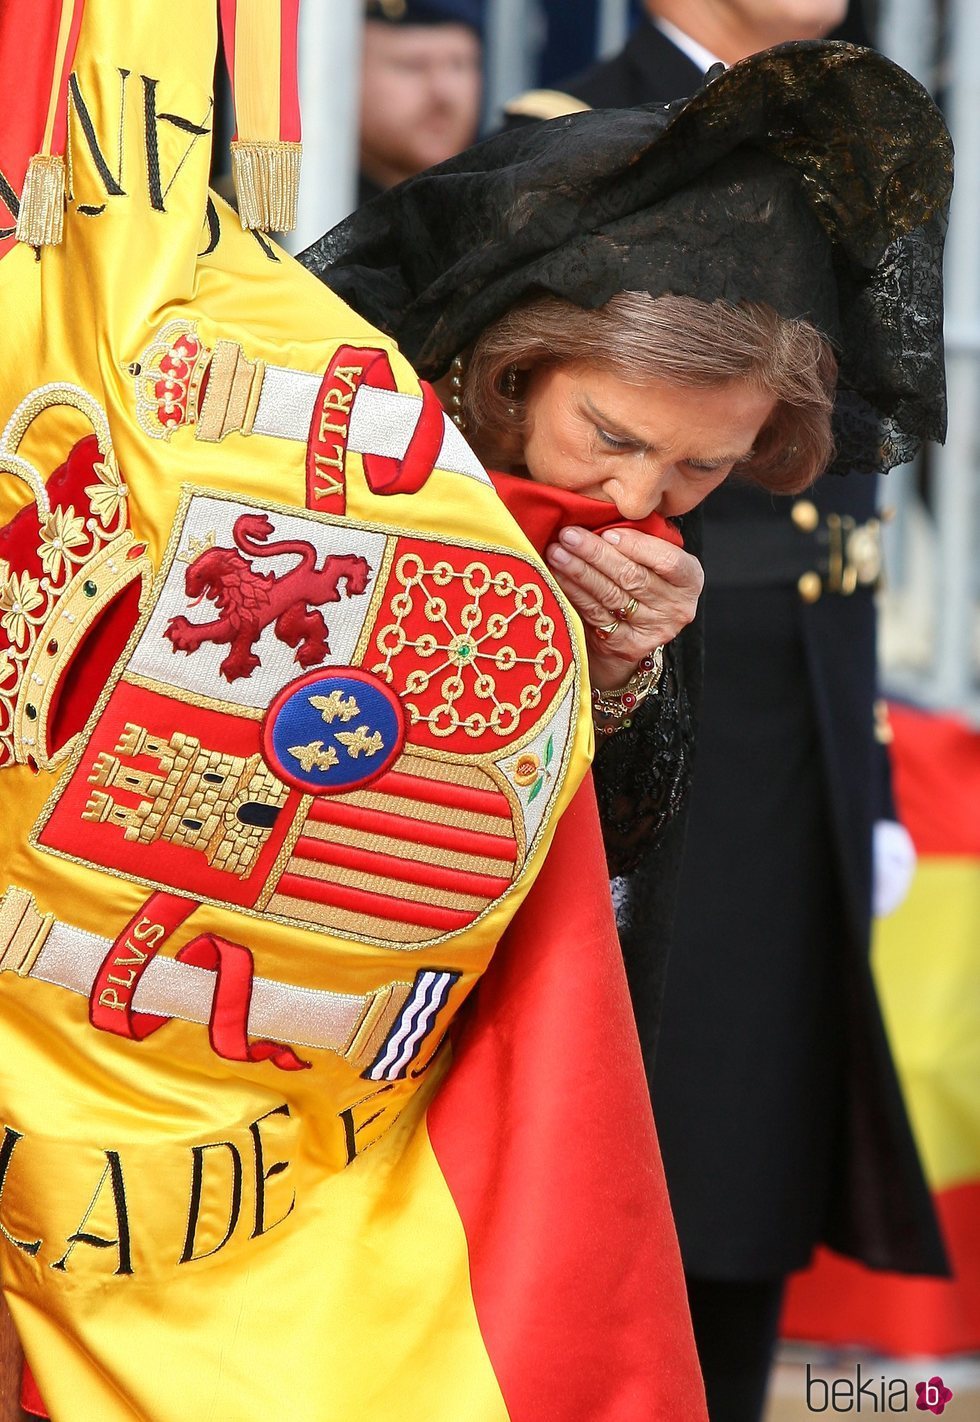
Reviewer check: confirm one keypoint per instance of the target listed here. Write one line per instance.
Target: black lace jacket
(643, 772)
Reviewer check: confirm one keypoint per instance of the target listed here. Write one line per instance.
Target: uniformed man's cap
(427, 12)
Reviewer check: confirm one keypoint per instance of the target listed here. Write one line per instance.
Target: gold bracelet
(616, 706)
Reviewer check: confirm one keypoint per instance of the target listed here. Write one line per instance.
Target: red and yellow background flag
(927, 965)
(294, 740)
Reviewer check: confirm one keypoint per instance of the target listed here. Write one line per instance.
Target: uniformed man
(421, 87)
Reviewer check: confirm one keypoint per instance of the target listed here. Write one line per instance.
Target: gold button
(805, 516)
(809, 587)
(884, 733)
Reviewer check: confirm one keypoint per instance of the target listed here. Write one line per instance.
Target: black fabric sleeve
(642, 773)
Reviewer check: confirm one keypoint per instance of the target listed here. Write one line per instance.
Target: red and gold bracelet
(613, 710)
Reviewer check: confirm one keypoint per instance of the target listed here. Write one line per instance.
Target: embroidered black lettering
(150, 141)
(352, 1127)
(267, 247)
(11, 202)
(111, 183)
(185, 125)
(262, 1174)
(197, 1190)
(113, 1174)
(214, 227)
(7, 1148)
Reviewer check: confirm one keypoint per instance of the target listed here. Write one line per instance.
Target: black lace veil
(815, 177)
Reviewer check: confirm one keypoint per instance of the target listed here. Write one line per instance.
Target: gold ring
(625, 613)
(603, 633)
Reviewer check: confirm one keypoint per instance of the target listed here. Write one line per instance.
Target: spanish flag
(294, 745)
(928, 975)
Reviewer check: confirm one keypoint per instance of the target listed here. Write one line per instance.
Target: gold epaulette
(545, 104)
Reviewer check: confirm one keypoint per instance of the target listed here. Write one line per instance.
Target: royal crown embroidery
(169, 376)
(64, 559)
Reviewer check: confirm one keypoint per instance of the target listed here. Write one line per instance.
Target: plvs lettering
(858, 1394)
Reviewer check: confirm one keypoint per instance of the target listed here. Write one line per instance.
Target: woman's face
(651, 447)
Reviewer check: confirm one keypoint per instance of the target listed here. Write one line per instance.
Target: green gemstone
(89, 588)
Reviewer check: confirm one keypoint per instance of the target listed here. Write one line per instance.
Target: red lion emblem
(249, 601)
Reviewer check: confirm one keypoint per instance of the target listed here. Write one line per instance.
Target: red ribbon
(111, 999)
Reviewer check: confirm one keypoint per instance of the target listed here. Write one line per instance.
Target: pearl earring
(510, 391)
(456, 398)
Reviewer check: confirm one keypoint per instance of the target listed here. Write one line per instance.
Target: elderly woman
(632, 306)
(629, 307)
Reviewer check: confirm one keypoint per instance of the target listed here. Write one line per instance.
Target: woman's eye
(612, 442)
(707, 468)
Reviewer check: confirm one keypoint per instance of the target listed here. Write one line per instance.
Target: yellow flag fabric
(289, 709)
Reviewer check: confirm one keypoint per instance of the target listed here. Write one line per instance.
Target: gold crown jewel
(65, 564)
(195, 547)
(168, 376)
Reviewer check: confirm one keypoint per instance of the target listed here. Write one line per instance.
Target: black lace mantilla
(814, 177)
(643, 772)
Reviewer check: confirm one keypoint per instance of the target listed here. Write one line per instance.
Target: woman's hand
(599, 574)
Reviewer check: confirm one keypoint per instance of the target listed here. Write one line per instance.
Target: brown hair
(677, 338)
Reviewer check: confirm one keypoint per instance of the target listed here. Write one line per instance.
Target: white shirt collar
(695, 52)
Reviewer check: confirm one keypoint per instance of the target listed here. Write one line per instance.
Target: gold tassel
(267, 183)
(40, 221)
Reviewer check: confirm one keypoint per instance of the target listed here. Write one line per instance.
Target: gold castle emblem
(223, 805)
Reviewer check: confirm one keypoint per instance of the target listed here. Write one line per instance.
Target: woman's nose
(640, 491)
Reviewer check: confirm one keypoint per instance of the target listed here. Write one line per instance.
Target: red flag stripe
(373, 797)
(487, 864)
(338, 812)
(574, 1265)
(434, 876)
(376, 883)
(384, 906)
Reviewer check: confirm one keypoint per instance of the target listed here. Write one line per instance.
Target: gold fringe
(267, 183)
(40, 221)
